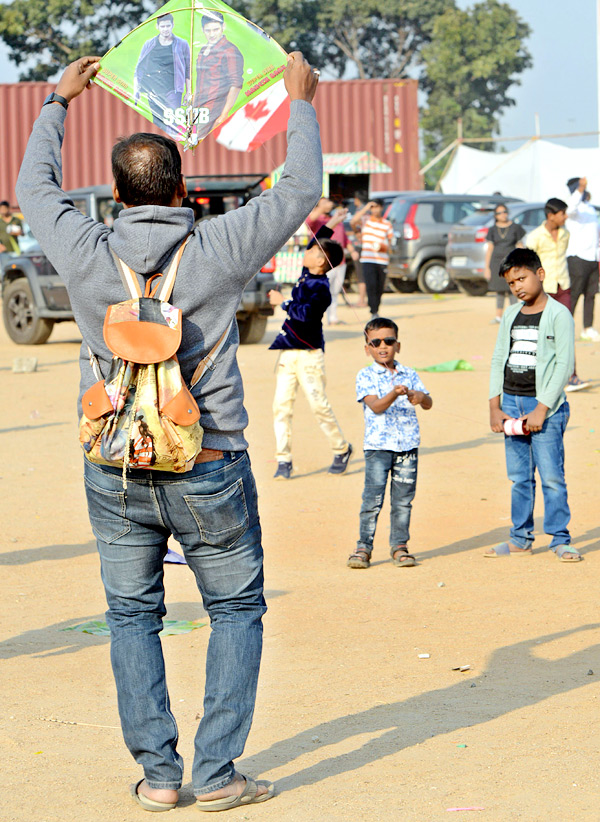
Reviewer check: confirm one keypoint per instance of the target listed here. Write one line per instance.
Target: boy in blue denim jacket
(531, 365)
(389, 393)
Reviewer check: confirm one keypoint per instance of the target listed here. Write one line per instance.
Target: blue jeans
(212, 512)
(402, 467)
(544, 451)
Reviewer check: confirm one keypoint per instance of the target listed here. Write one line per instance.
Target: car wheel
(402, 286)
(433, 277)
(21, 320)
(252, 329)
(474, 288)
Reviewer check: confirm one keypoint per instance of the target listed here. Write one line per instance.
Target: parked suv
(421, 222)
(467, 244)
(34, 297)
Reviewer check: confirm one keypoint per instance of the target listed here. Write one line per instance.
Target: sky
(561, 86)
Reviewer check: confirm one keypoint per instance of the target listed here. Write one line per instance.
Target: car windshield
(480, 217)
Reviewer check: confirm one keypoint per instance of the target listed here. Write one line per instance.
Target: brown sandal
(359, 559)
(402, 558)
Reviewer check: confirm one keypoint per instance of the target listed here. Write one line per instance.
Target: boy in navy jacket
(301, 361)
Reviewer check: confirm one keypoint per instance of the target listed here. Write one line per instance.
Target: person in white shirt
(582, 253)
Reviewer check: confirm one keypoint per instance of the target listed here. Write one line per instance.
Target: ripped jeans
(401, 466)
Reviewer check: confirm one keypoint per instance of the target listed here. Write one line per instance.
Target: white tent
(534, 172)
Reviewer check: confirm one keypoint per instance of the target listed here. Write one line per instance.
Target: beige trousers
(307, 369)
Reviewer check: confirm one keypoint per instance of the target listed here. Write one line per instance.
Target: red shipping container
(380, 116)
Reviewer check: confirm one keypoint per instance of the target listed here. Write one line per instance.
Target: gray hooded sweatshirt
(221, 258)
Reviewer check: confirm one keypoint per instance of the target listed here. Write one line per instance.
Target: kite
(190, 66)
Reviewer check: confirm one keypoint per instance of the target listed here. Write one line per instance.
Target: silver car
(467, 244)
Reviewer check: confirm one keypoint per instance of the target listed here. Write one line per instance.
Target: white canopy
(534, 172)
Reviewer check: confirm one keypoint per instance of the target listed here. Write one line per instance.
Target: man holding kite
(212, 509)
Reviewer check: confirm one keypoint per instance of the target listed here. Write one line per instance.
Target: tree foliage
(43, 36)
(473, 59)
(367, 39)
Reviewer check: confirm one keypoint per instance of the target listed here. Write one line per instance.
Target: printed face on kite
(213, 32)
(165, 28)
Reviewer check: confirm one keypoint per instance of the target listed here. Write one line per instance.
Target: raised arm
(249, 236)
(57, 225)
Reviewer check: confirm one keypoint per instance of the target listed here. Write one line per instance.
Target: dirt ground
(349, 722)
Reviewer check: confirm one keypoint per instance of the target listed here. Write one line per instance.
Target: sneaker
(284, 471)
(340, 462)
(575, 384)
(590, 335)
(496, 321)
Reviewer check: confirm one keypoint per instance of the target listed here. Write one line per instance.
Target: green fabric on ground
(170, 627)
(449, 365)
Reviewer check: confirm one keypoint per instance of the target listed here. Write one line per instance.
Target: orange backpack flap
(95, 403)
(144, 330)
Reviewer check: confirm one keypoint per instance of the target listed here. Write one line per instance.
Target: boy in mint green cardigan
(531, 364)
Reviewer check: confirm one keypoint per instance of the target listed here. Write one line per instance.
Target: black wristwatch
(55, 98)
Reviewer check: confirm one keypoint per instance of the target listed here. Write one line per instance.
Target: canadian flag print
(257, 121)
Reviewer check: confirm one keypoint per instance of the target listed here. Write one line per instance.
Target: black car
(421, 222)
(34, 297)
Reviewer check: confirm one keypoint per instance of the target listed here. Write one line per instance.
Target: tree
(372, 39)
(473, 59)
(44, 36)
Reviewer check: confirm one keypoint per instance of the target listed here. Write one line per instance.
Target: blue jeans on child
(212, 512)
(544, 451)
(402, 467)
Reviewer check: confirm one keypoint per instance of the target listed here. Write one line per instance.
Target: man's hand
(487, 272)
(299, 78)
(77, 77)
(401, 390)
(355, 255)
(415, 397)
(535, 419)
(275, 297)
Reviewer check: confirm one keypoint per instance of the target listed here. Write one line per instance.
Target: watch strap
(56, 98)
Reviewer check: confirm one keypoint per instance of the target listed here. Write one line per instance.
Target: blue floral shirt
(397, 428)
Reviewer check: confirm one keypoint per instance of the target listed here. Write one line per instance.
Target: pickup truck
(34, 297)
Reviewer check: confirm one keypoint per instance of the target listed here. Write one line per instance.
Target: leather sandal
(401, 558)
(359, 559)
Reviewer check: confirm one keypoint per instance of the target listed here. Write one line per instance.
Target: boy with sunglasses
(389, 393)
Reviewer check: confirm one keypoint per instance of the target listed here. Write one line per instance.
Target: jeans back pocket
(106, 510)
(221, 518)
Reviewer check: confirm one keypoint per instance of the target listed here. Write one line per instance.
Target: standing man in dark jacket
(212, 509)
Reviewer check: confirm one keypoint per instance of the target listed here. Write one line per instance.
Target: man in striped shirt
(376, 236)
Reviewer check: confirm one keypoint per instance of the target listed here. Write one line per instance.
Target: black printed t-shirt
(160, 71)
(519, 371)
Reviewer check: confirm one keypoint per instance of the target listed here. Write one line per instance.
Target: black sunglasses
(375, 342)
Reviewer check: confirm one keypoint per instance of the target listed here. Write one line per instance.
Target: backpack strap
(162, 291)
(209, 360)
(128, 278)
(167, 282)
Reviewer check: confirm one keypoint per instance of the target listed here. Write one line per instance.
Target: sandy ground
(349, 723)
